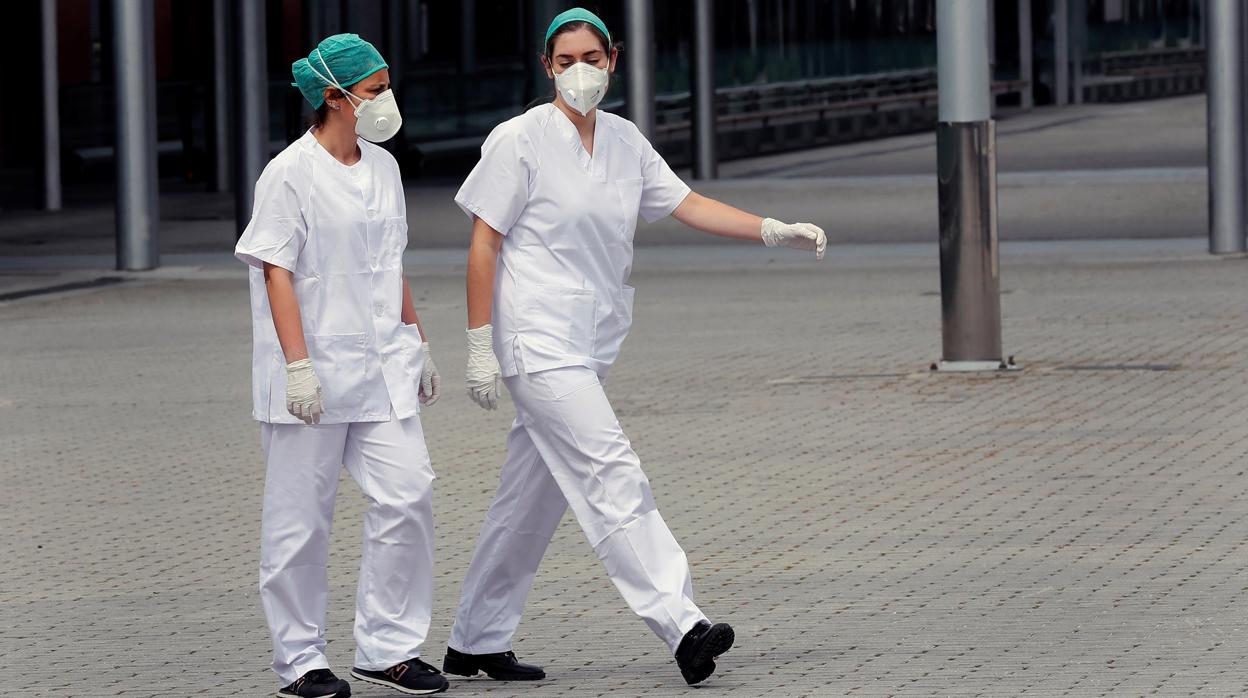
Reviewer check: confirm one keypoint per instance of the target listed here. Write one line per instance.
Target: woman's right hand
(483, 373)
(303, 392)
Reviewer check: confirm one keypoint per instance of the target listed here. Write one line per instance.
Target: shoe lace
(397, 671)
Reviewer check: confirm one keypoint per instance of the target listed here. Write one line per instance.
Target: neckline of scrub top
(590, 163)
(349, 169)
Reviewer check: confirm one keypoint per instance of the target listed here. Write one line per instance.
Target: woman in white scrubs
(340, 368)
(554, 202)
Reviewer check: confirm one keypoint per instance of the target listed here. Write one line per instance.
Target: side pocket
(558, 321)
(339, 363)
(613, 329)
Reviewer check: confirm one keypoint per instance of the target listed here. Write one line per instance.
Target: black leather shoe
(413, 677)
(318, 683)
(699, 649)
(500, 666)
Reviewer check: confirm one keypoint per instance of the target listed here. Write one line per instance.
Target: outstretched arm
(717, 218)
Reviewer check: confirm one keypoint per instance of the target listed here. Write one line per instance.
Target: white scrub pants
(389, 462)
(566, 448)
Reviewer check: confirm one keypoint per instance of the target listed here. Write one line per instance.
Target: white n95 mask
(582, 86)
(376, 120)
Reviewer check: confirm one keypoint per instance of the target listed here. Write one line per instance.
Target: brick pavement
(1079, 528)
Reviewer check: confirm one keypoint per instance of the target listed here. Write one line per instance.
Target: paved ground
(1131, 170)
(1079, 528)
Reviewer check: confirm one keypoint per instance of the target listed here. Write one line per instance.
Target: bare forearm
(287, 320)
(409, 315)
(717, 218)
(482, 264)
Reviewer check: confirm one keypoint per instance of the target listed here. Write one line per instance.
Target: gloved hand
(430, 381)
(803, 236)
(483, 374)
(303, 392)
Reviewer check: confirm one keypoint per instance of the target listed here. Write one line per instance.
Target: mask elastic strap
(331, 80)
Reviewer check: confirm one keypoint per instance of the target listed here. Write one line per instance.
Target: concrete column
(966, 174)
(222, 83)
(703, 94)
(639, 33)
(138, 214)
(1025, 65)
(1061, 52)
(50, 88)
(1224, 30)
(251, 102)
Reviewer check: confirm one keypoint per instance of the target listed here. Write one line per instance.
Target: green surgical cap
(576, 14)
(349, 58)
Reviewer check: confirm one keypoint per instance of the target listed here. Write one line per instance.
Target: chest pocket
(629, 191)
(393, 243)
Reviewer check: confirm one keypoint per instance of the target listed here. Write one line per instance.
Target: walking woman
(554, 202)
(340, 368)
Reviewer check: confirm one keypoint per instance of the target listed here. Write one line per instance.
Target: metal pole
(138, 217)
(1061, 52)
(467, 37)
(1226, 126)
(51, 108)
(992, 34)
(967, 183)
(251, 90)
(704, 161)
(1025, 53)
(541, 13)
(1244, 93)
(221, 84)
(397, 56)
(1079, 46)
(639, 28)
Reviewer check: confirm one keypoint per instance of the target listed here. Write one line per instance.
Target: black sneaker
(412, 677)
(699, 649)
(318, 683)
(500, 666)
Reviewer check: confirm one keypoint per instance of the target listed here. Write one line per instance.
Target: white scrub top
(560, 298)
(341, 230)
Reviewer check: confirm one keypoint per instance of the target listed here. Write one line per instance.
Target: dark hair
(318, 117)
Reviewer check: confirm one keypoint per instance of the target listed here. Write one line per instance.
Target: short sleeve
(661, 190)
(497, 189)
(277, 231)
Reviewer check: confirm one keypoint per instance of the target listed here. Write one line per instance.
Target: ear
(615, 59)
(550, 73)
(331, 97)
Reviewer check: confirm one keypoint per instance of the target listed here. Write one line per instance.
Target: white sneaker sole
(396, 687)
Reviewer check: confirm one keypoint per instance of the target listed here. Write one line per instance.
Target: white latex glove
(802, 236)
(303, 392)
(483, 374)
(430, 381)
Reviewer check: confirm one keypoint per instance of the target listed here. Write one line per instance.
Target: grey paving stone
(869, 528)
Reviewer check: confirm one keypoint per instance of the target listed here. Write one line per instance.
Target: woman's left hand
(802, 236)
(430, 381)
